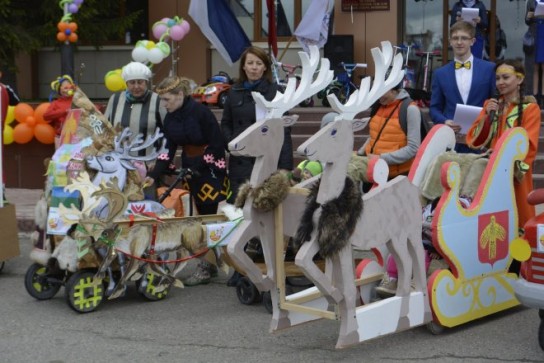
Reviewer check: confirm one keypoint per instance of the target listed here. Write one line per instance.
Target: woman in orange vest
(387, 137)
(511, 109)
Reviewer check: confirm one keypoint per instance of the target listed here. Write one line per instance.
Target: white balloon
(140, 54)
(155, 55)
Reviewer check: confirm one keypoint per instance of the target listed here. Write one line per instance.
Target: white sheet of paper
(467, 14)
(539, 10)
(465, 115)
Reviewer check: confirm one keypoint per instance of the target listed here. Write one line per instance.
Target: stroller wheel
(541, 335)
(149, 287)
(247, 292)
(267, 302)
(83, 293)
(435, 327)
(39, 283)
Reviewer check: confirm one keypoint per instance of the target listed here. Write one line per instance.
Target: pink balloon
(177, 32)
(185, 25)
(159, 29)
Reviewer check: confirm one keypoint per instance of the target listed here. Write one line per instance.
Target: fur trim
(243, 193)
(40, 213)
(40, 256)
(337, 220)
(266, 196)
(66, 254)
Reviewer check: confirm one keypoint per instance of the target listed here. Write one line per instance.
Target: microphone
(495, 97)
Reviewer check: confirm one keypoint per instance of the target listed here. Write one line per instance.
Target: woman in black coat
(193, 127)
(255, 75)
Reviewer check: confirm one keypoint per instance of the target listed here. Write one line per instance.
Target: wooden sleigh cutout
(479, 283)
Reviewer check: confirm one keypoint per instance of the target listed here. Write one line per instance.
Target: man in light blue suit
(466, 80)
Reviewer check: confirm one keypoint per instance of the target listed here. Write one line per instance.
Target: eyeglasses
(460, 39)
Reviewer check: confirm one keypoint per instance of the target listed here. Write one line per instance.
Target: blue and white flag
(313, 29)
(218, 23)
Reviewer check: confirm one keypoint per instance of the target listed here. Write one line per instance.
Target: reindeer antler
(124, 146)
(365, 96)
(307, 87)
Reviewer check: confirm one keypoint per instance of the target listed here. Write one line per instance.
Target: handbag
(528, 42)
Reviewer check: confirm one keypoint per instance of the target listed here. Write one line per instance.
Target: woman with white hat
(137, 107)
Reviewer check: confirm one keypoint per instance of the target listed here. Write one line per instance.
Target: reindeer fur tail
(338, 220)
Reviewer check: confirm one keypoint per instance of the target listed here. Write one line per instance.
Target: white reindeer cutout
(116, 163)
(263, 140)
(391, 213)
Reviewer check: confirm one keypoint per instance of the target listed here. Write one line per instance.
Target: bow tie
(459, 65)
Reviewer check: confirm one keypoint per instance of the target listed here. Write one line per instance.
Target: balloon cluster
(30, 124)
(175, 28)
(114, 81)
(148, 51)
(67, 32)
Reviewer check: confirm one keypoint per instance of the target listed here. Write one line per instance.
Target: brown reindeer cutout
(263, 140)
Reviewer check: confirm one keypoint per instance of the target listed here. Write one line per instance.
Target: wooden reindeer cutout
(391, 215)
(263, 140)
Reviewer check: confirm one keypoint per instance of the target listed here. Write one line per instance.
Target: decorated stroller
(91, 239)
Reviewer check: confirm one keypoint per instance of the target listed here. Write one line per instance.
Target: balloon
(78, 2)
(159, 29)
(150, 44)
(39, 111)
(73, 38)
(62, 26)
(10, 116)
(156, 55)
(44, 133)
(73, 8)
(114, 82)
(22, 111)
(185, 25)
(177, 32)
(140, 54)
(8, 135)
(30, 121)
(72, 26)
(68, 31)
(61, 37)
(170, 23)
(22, 133)
(164, 47)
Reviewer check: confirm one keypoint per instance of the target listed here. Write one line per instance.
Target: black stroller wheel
(247, 292)
(267, 302)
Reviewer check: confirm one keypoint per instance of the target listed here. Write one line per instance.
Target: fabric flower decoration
(221, 164)
(163, 156)
(208, 158)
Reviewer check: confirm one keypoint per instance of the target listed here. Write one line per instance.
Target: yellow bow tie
(459, 65)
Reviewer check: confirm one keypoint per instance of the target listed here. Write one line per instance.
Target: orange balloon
(39, 111)
(44, 133)
(72, 27)
(22, 133)
(61, 37)
(30, 121)
(72, 37)
(22, 111)
(62, 26)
